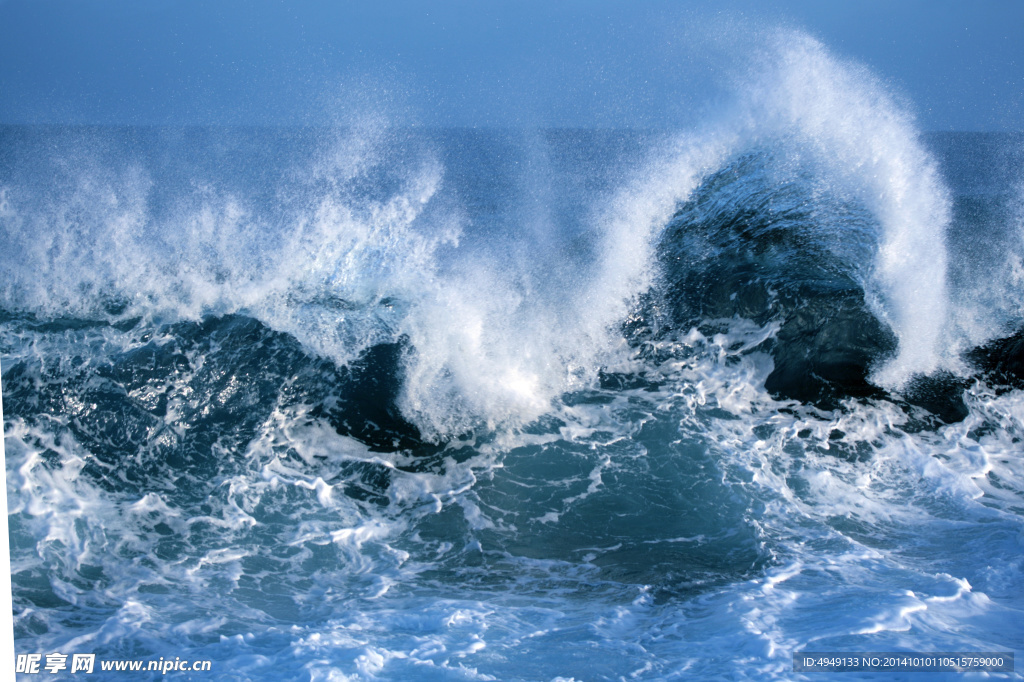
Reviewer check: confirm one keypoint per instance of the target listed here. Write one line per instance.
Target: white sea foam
(502, 346)
(459, 576)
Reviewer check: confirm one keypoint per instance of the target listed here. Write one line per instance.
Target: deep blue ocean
(379, 402)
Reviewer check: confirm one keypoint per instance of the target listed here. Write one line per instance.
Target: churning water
(382, 403)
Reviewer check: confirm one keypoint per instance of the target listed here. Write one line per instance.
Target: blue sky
(604, 63)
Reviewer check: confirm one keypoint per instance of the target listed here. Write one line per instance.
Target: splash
(860, 137)
(318, 257)
(835, 123)
(504, 342)
(362, 246)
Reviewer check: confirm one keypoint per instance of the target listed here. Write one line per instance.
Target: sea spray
(323, 411)
(814, 111)
(361, 246)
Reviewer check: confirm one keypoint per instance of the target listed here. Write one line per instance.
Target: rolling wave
(403, 403)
